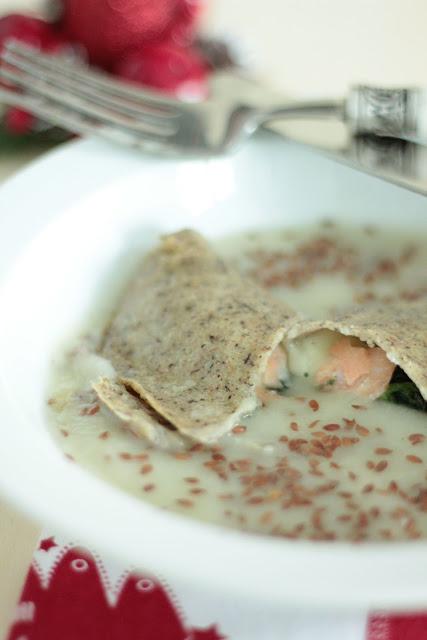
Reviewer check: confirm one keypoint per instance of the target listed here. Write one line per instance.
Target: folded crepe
(191, 342)
(384, 354)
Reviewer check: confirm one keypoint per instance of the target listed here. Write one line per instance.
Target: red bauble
(32, 31)
(176, 70)
(36, 33)
(107, 28)
(18, 121)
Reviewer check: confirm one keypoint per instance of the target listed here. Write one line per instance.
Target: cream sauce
(309, 464)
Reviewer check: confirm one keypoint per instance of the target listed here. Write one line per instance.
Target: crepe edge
(372, 337)
(133, 415)
(115, 395)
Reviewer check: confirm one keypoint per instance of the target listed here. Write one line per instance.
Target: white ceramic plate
(63, 224)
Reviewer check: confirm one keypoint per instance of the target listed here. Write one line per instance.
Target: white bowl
(64, 222)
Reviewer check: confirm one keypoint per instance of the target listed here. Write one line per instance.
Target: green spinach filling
(403, 391)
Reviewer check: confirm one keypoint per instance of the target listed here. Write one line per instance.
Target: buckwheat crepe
(190, 343)
(399, 329)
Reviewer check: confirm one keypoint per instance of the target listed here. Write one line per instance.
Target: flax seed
(368, 488)
(185, 502)
(314, 405)
(146, 468)
(240, 428)
(380, 466)
(182, 455)
(331, 427)
(362, 431)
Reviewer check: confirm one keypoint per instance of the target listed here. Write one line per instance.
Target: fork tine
(94, 79)
(74, 122)
(83, 105)
(37, 66)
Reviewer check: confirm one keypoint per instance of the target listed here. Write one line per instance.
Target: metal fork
(67, 94)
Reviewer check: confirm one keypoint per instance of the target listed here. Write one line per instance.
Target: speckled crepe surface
(399, 329)
(192, 338)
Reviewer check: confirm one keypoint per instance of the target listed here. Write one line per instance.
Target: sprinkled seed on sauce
(349, 424)
(185, 502)
(380, 466)
(362, 431)
(196, 447)
(320, 482)
(240, 428)
(181, 455)
(368, 488)
(146, 468)
(90, 411)
(348, 442)
(331, 427)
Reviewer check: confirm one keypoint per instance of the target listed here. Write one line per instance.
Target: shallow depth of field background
(319, 47)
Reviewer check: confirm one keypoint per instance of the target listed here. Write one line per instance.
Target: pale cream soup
(308, 464)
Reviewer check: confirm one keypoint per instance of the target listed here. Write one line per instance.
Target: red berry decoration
(181, 30)
(147, 42)
(181, 72)
(36, 33)
(32, 31)
(108, 28)
(18, 121)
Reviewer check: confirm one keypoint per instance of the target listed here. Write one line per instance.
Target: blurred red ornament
(165, 66)
(108, 28)
(181, 30)
(39, 34)
(32, 31)
(148, 42)
(18, 121)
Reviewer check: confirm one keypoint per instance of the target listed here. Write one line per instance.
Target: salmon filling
(354, 366)
(276, 374)
(341, 363)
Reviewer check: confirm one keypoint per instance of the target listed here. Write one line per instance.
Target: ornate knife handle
(397, 113)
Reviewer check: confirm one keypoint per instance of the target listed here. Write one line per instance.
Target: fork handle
(394, 113)
(318, 109)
